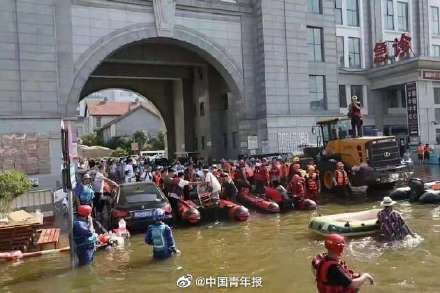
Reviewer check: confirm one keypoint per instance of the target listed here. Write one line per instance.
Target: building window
(437, 95)
(340, 51)
(234, 140)
(435, 24)
(435, 51)
(317, 92)
(314, 6)
(352, 13)
(402, 16)
(389, 15)
(338, 11)
(314, 42)
(354, 52)
(437, 114)
(225, 141)
(98, 122)
(342, 96)
(437, 135)
(202, 109)
(357, 90)
(202, 142)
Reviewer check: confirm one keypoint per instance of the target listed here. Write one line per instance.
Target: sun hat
(387, 202)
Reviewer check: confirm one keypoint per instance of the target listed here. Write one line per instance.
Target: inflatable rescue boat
(347, 224)
(261, 204)
(235, 211)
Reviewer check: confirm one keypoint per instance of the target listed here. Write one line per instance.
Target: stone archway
(183, 36)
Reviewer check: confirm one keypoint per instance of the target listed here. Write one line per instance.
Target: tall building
(228, 77)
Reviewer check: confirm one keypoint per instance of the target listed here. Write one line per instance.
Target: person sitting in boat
(275, 172)
(341, 181)
(241, 176)
(160, 236)
(392, 226)
(332, 274)
(213, 185)
(312, 183)
(229, 190)
(261, 177)
(83, 235)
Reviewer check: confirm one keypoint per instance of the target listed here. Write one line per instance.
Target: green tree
(140, 138)
(90, 139)
(12, 184)
(119, 152)
(157, 142)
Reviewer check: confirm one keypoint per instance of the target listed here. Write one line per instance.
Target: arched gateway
(132, 51)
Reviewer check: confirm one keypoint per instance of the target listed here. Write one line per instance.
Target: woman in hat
(354, 112)
(392, 226)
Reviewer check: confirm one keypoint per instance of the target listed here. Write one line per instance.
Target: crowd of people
(225, 180)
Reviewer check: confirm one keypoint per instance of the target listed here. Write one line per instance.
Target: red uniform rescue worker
(297, 187)
(332, 274)
(275, 172)
(312, 184)
(341, 180)
(261, 177)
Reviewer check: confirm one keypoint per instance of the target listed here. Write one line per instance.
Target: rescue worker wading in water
(341, 180)
(312, 184)
(160, 236)
(332, 274)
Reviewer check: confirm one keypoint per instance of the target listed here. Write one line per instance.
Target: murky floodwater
(277, 248)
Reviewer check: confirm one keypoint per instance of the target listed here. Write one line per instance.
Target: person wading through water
(332, 274)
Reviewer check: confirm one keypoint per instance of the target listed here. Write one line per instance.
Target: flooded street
(277, 248)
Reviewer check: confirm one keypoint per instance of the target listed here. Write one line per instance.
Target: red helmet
(84, 210)
(335, 243)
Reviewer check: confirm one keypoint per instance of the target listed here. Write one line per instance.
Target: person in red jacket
(241, 176)
(312, 183)
(341, 180)
(261, 178)
(297, 187)
(292, 168)
(355, 114)
(284, 173)
(332, 274)
(275, 172)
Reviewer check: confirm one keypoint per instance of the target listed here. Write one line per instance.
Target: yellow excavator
(369, 160)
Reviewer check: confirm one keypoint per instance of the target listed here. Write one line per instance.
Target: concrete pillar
(179, 115)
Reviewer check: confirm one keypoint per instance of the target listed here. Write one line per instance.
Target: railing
(33, 200)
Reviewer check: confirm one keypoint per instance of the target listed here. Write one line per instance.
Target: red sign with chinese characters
(380, 53)
(402, 48)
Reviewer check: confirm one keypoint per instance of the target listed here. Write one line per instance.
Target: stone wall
(28, 153)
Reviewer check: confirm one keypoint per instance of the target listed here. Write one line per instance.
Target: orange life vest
(312, 183)
(261, 174)
(321, 264)
(341, 178)
(297, 186)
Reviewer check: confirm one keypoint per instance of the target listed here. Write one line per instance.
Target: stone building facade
(222, 73)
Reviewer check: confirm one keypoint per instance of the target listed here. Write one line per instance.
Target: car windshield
(140, 193)
(145, 197)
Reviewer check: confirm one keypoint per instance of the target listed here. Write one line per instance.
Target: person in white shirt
(129, 172)
(147, 176)
(213, 183)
